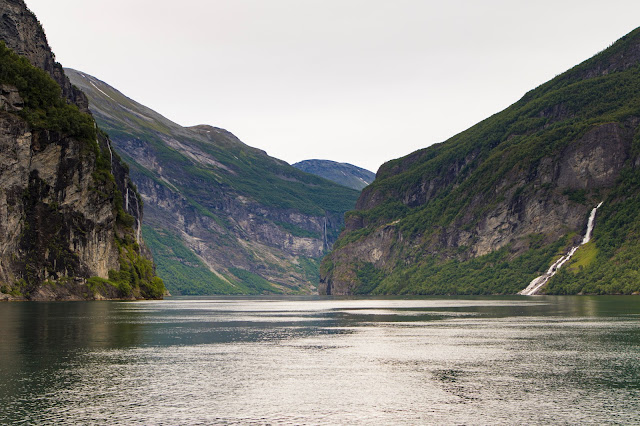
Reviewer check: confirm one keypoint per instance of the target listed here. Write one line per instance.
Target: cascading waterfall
(126, 197)
(535, 285)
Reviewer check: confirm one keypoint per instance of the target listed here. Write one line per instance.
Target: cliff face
(491, 208)
(222, 217)
(64, 230)
(23, 34)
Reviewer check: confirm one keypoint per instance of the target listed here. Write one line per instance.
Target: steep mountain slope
(65, 232)
(493, 207)
(221, 217)
(341, 173)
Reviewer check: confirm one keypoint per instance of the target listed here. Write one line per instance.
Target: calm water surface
(518, 360)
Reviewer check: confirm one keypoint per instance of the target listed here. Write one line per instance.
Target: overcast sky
(357, 81)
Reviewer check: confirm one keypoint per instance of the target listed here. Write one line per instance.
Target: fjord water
(494, 360)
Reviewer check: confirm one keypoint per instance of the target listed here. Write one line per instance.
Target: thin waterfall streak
(108, 146)
(536, 284)
(111, 155)
(324, 234)
(126, 198)
(139, 223)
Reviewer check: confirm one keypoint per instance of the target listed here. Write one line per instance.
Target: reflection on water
(322, 361)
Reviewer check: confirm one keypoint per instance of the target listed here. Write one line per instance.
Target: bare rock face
(54, 220)
(10, 100)
(596, 160)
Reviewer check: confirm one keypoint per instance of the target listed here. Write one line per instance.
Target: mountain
(497, 205)
(344, 174)
(66, 230)
(221, 217)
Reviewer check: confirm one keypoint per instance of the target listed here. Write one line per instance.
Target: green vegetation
(44, 107)
(494, 273)
(495, 161)
(577, 196)
(369, 277)
(254, 283)
(309, 268)
(136, 277)
(183, 272)
(98, 285)
(243, 169)
(583, 257)
(297, 231)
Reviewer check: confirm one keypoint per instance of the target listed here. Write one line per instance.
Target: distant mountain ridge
(344, 174)
(499, 204)
(221, 217)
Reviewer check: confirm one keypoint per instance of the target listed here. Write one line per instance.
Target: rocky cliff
(64, 230)
(23, 34)
(344, 174)
(221, 217)
(493, 207)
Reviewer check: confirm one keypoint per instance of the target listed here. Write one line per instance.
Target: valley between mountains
(221, 217)
(543, 197)
(486, 212)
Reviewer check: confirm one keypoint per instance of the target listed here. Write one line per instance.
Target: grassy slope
(516, 137)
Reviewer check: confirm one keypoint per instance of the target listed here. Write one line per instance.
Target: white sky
(357, 81)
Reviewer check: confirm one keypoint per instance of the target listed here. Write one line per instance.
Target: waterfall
(108, 146)
(111, 155)
(536, 284)
(126, 197)
(324, 234)
(138, 221)
(592, 217)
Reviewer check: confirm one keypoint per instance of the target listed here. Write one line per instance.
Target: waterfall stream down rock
(539, 282)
